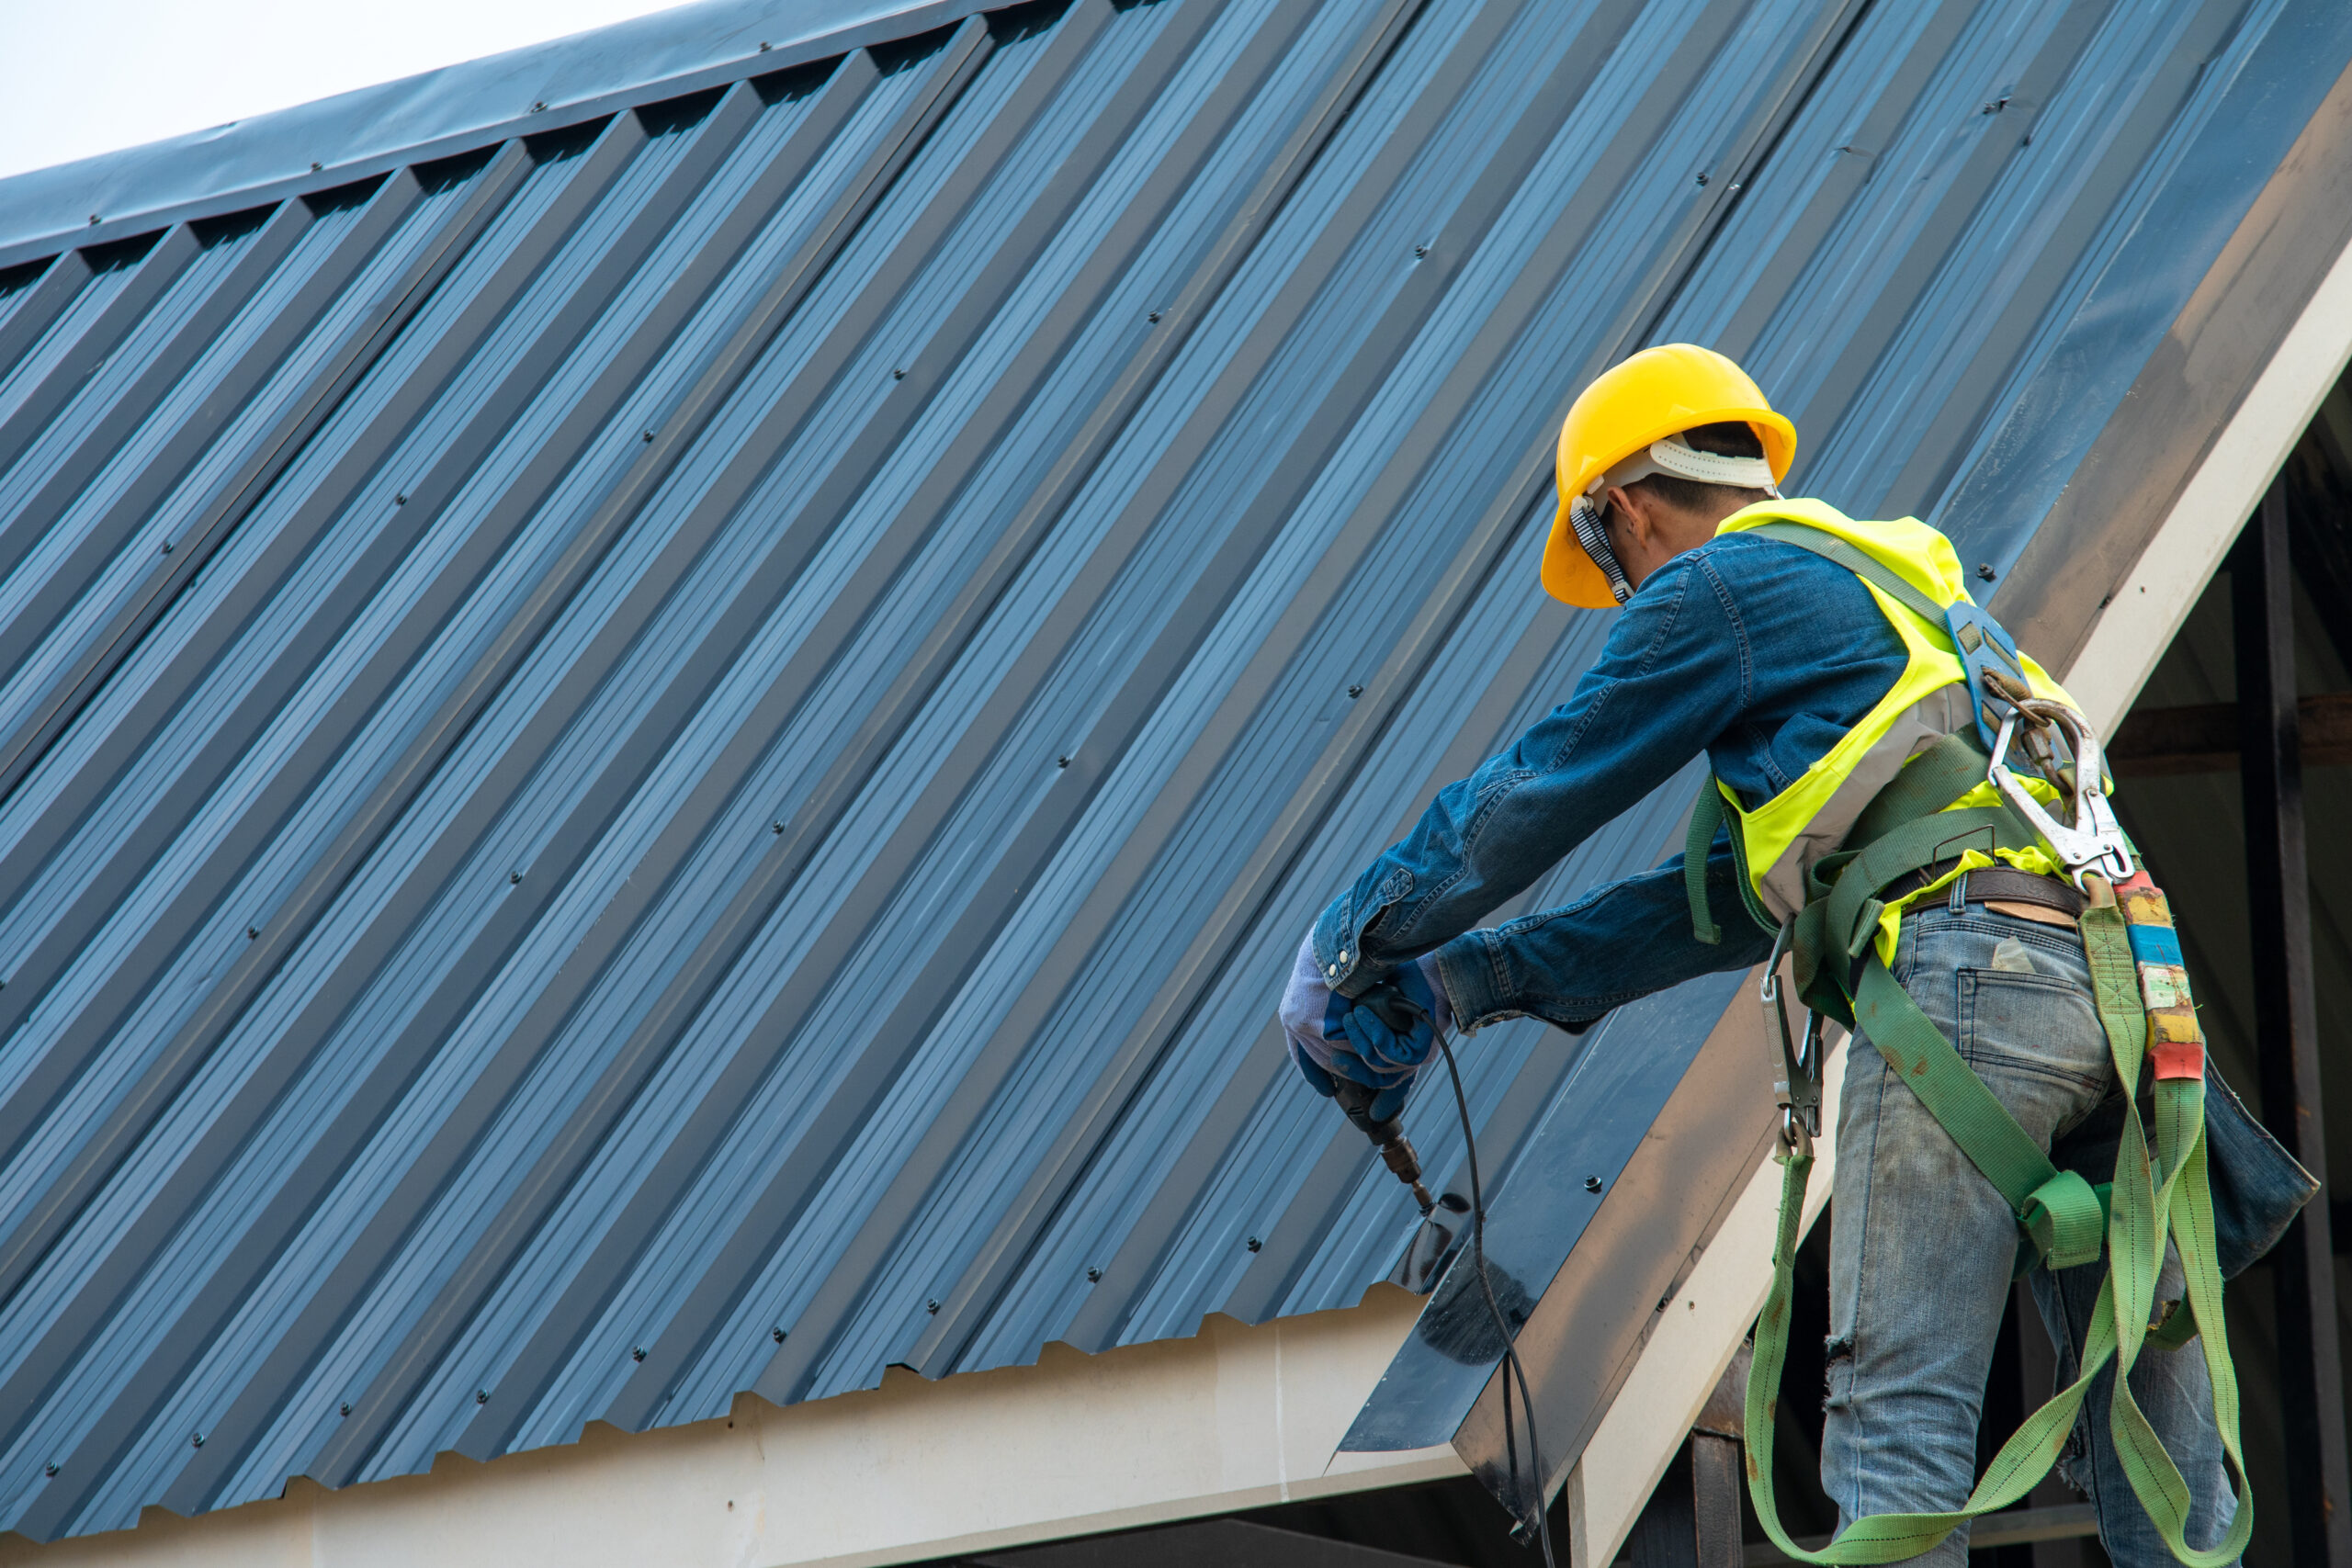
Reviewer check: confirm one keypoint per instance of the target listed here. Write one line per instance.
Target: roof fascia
(1235, 1417)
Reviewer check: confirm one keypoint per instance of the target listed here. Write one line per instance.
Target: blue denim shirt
(1756, 652)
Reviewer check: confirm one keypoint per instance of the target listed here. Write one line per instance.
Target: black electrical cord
(1502, 1326)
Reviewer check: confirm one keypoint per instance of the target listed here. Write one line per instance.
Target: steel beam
(2286, 1027)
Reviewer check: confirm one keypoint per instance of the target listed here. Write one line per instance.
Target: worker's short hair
(1730, 438)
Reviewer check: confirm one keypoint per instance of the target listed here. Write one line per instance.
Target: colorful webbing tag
(2176, 1044)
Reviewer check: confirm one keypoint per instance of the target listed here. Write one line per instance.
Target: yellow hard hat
(1649, 397)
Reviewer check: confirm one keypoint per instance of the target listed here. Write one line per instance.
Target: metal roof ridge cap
(195, 155)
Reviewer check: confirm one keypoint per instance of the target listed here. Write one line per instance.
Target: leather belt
(1997, 885)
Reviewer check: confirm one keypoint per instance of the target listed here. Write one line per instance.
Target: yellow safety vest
(1783, 838)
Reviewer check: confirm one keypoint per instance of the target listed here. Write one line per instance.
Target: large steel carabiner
(2094, 843)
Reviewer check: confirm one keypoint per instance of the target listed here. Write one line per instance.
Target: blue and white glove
(1379, 1040)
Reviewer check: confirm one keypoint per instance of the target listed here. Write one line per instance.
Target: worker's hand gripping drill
(1364, 1052)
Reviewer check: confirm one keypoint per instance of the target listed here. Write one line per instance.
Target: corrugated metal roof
(682, 755)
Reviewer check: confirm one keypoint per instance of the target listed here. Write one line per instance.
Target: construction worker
(1813, 658)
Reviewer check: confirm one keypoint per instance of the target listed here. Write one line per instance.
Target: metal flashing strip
(152, 182)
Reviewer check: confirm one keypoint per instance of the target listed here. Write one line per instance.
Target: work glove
(1378, 1040)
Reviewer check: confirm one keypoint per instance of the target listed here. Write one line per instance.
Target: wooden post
(2285, 1026)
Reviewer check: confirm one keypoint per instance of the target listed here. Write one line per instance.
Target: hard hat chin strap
(1585, 518)
(1672, 455)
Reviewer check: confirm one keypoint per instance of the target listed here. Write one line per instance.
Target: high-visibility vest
(1782, 839)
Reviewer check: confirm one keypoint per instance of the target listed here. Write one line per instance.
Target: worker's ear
(1629, 512)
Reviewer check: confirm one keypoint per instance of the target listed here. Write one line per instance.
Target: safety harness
(1902, 846)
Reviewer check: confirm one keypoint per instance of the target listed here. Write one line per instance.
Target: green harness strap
(2159, 1196)
(2166, 1195)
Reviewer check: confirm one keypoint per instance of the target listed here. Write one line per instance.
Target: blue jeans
(1922, 1249)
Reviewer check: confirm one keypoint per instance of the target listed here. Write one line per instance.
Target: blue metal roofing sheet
(680, 755)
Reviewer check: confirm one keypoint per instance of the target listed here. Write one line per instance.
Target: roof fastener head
(931, 1306)
(764, 46)
(514, 877)
(1355, 691)
(399, 497)
(1592, 1184)
(637, 1354)
(1253, 1244)
(50, 1469)
(346, 1407)
(252, 932)
(1093, 1275)
(1061, 762)
(196, 1439)
(539, 105)
(481, 1396)
(1985, 569)
(1153, 317)
(898, 375)
(316, 166)
(776, 1335)
(1703, 177)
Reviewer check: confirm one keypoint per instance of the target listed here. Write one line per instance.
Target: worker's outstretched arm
(1676, 672)
(1617, 943)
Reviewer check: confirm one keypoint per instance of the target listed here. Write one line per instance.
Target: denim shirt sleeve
(1676, 671)
(1619, 941)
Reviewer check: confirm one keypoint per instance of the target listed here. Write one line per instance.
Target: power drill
(1388, 1137)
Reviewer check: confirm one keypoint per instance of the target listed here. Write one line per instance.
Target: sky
(79, 77)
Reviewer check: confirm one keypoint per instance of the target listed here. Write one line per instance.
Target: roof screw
(931, 1307)
(1093, 1276)
(1997, 105)
(1061, 762)
(776, 826)
(637, 1354)
(481, 1396)
(399, 497)
(1985, 569)
(316, 166)
(196, 1440)
(1254, 1244)
(252, 932)
(764, 46)
(94, 218)
(898, 375)
(1592, 1184)
(776, 1335)
(167, 546)
(515, 878)
(1355, 691)
(346, 1407)
(648, 435)
(539, 106)
(1420, 250)
(1703, 177)
(50, 1469)
(1153, 317)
